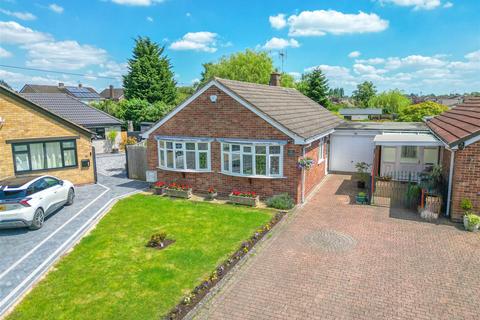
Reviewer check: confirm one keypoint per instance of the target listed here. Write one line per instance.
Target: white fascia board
(319, 136)
(472, 140)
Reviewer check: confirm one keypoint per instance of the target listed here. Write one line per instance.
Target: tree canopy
(149, 74)
(314, 85)
(390, 101)
(416, 112)
(249, 66)
(364, 92)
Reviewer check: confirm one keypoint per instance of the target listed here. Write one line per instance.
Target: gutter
(450, 182)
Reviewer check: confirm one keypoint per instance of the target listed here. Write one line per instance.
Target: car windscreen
(12, 194)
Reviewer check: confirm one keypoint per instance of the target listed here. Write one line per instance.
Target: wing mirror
(60, 182)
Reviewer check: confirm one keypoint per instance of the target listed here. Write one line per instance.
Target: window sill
(251, 176)
(184, 170)
(27, 172)
(321, 161)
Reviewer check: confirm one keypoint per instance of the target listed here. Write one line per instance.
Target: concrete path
(26, 255)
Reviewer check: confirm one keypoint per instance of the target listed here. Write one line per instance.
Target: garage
(352, 142)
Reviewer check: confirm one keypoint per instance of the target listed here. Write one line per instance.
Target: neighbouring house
(95, 120)
(84, 94)
(35, 140)
(361, 113)
(459, 131)
(245, 136)
(111, 93)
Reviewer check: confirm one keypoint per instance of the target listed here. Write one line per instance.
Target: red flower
(211, 190)
(159, 184)
(248, 194)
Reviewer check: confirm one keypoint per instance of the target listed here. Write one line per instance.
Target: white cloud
(197, 41)
(413, 61)
(55, 8)
(149, 19)
(279, 44)
(63, 55)
(473, 56)
(296, 75)
(278, 21)
(354, 54)
(321, 22)
(447, 5)
(371, 61)
(143, 3)
(367, 69)
(5, 53)
(19, 15)
(12, 32)
(17, 80)
(113, 69)
(416, 4)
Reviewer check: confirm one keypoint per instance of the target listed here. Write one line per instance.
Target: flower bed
(159, 187)
(191, 300)
(178, 190)
(244, 198)
(212, 193)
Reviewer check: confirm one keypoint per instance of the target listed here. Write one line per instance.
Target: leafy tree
(315, 86)
(287, 81)
(364, 92)
(133, 110)
(149, 74)
(3, 83)
(416, 112)
(109, 106)
(336, 94)
(390, 101)
(183, 93)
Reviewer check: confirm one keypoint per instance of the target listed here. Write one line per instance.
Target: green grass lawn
(112, 275)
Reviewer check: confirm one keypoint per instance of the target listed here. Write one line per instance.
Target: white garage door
(347, 150)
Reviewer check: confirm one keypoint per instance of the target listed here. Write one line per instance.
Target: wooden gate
(136, 156)
(397, 190)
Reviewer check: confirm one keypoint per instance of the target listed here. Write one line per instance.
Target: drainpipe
(303, 176)
(450, 178)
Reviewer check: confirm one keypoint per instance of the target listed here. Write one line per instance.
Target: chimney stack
(61, 84)
(80, 85)
(275, 79)
(111, 91)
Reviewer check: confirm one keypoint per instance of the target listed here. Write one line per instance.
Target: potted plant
(361, 198)
(362, 174)
(159, 187)
(248, 198)
(178, 190)
(471, 221)
(112, 137)
(212, 193)
(305, 163)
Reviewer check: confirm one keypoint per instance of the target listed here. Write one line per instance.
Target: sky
(417, 46)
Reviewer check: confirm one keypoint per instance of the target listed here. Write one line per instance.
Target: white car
(25, 201)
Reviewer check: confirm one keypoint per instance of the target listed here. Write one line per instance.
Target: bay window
(184, 155)
(252, 159)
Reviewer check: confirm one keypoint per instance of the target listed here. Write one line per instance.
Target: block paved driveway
(336, 260)
(26, 255)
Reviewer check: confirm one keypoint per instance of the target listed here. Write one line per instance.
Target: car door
(56, 192)
(41, 197)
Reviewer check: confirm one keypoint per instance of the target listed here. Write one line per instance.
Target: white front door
(410, 160)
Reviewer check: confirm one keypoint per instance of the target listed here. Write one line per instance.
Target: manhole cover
(330, 240)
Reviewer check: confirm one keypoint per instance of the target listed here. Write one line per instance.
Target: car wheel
(70, 197)
(38, 219)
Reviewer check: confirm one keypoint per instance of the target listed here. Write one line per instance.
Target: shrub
(466, 205)
(473, 220)
(281, 201)
(362, 194)
(157, 240)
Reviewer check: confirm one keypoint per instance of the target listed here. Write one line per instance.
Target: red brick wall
(466, 179)
(225, 119)
(317, 171)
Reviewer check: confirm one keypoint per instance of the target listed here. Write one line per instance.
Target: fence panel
(136, 162)
(397, 190)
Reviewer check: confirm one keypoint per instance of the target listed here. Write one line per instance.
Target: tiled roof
(117, 93)
(88, 93)
(286, 106)
(72, 109)
(458, 124)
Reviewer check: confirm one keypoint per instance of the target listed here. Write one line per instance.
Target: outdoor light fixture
(2, 122)
(213, 98)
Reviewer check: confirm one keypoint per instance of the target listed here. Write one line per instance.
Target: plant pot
(475, 228)
(361, 184)
(185, 194)
(246, 201)
(212, 196)
(361, 199)
(433, 203)
(159, 191)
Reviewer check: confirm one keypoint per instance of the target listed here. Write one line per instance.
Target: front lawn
(112, 275)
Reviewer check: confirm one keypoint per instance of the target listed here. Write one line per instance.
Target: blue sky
(420, 46)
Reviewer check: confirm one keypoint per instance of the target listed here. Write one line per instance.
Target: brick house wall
(466, 178)
(226, 119)
(22, 122)
(317, 171)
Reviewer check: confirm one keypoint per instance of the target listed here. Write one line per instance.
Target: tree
(416, 112)
(315, 86)
(390, 101)
(3, 83)
(183, 93)
(336, 94)
(149, 74)
(287, 81)
(364, 92)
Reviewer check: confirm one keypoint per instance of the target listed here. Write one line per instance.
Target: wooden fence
(136, 161)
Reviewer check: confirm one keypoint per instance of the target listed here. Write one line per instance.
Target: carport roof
(383, 126)
(406, 139)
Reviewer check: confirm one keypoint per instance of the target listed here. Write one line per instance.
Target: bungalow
(84, 94)
(114, 94)
(459, 131)
(33, 139)
(237, 135)
(82, 114)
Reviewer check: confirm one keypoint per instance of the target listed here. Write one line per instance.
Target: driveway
(26, 255)
(336, 260)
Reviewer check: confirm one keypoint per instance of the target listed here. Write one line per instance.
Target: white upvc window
(321, 150)
(184, 155)
(252, 160)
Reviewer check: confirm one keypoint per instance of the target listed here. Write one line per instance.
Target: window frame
(409, 160)
(253, 153)
(44, 146)
(183, 149)
(321, 150)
